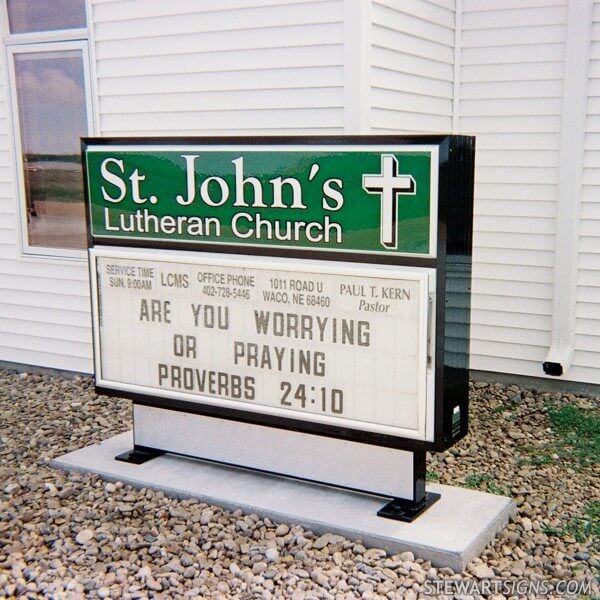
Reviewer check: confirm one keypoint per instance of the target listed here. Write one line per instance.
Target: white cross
(388, 184)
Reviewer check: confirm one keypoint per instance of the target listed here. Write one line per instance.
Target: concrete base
(450, 533)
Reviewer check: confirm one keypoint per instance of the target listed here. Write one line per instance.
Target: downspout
(569, 188)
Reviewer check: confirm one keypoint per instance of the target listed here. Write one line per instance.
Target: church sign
(360, 199)
(319, 286)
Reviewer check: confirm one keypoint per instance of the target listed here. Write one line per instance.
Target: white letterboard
(316, 341)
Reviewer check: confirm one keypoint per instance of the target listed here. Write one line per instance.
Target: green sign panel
(369, 199)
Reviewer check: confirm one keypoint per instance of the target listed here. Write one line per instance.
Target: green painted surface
(320, 207)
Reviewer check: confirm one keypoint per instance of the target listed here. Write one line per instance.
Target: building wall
(169, 68)
(214, 67)
(510, 90)
(412, 66)
(44, 303)
(281, 67)
(587, 357)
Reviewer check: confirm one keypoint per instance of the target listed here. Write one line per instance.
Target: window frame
(41, 42)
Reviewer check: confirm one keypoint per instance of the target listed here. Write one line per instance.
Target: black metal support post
(403, 509)
(139, 455)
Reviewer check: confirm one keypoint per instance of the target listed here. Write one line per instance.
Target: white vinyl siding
(586, 363)
(219, 67)
(253, 67)
(510, 98)
(412, 66)
(44, 304)
(169, 68)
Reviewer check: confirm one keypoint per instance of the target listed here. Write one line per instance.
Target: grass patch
(494, 488)
(485, 483)
(475, 482)
(432, 475)
(588, 526)
(539, 460)
(579, 431)
(581, 528)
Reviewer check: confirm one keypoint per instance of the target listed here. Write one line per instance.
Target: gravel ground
(76, 536)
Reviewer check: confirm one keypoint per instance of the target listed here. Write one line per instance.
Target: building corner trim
(357, 66)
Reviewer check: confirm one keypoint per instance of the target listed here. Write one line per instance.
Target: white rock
(410, 594)
(154, 585)
(374, 554)
(418, 577)
(11, 488)
(259, 567)
(482, 571)
(527, 524)
(223, 587)
(272, 554)
(144, 573)
(74, 586)
(206, 517)
(327, 538)
(319, 577)
(84, 536)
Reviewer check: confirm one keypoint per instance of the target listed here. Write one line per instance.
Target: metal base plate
(406, 510)
(139, 456)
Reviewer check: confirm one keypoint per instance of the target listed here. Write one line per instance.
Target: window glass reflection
(26, 16)
(52, 118)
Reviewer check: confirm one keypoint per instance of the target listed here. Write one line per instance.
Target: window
(48, 61)
(25, 16)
